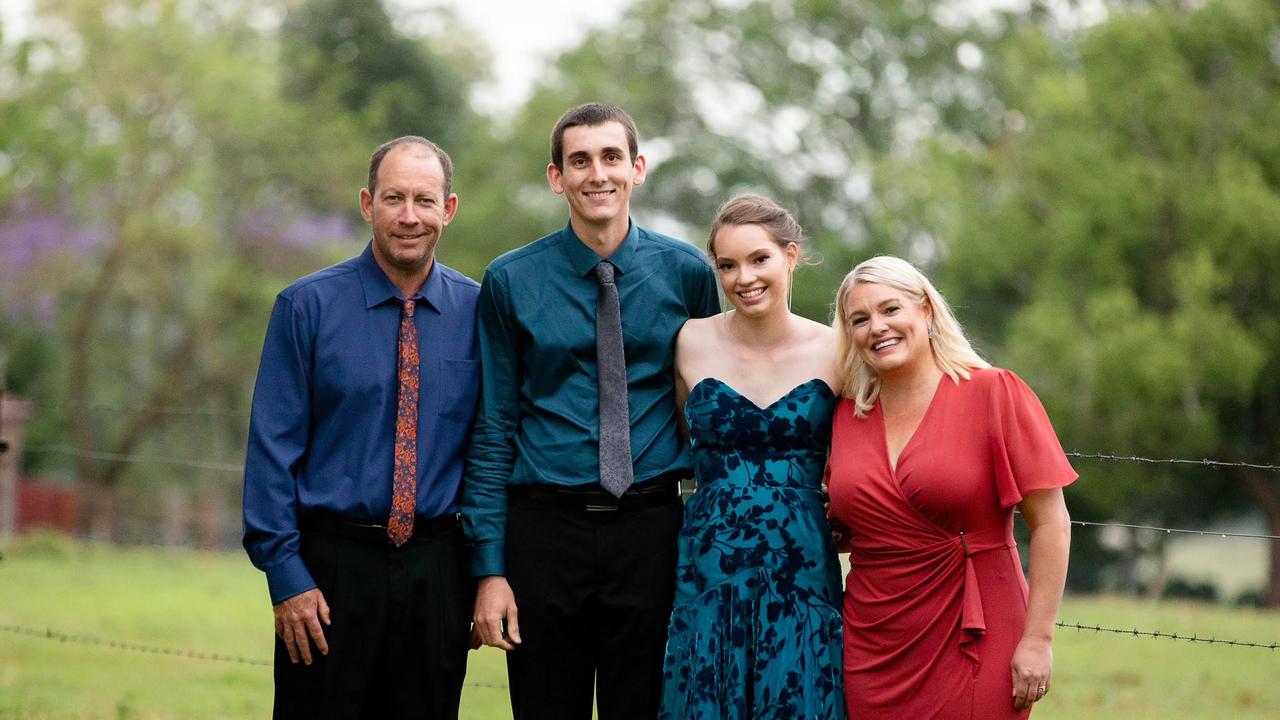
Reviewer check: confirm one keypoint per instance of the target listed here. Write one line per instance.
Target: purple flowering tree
(158, 191)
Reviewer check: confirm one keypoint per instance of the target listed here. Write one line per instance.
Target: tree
(1114, 243)
(411, 74)
(173, 174)
(812, 103)
(136, 151)
(347, 51)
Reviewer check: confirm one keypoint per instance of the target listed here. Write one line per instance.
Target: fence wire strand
(124, 457)
(190, 654)
(1206, 533)
(237, 467)
(1135, 632)
(51, 634)
(139, 409)
(1171, 461)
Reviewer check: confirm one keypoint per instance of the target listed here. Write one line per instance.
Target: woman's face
(889, 329)
(755, 273)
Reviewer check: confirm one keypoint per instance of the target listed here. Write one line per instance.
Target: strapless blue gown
(756, 629)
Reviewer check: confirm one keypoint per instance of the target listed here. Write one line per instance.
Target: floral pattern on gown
(756, 630)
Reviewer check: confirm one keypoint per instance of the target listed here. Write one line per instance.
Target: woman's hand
(1046, 515)
(839, 531)
(1032, 669)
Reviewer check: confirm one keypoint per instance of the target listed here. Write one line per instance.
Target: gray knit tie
(616, 473)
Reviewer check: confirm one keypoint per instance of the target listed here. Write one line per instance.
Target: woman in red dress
(931, 451)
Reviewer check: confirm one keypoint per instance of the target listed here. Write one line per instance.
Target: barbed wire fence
(193, 654)
(238, 468)
(1135, 632)
(188, 653)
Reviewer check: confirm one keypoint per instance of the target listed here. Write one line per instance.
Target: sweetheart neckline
(763, 408)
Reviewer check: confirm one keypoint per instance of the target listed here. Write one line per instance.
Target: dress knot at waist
(972, 622)
(980, 541)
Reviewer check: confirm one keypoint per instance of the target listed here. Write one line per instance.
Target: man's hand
(298, 617)
(496, 608)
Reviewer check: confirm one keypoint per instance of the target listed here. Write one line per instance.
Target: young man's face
(599, 173)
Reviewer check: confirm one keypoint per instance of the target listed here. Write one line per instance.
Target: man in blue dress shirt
(369, 370)
(574, 583)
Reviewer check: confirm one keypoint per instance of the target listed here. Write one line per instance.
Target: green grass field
(216, 604)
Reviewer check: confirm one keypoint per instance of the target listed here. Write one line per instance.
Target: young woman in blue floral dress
(756, 628)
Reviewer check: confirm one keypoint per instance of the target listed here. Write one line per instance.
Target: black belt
(593, 498)
(423, 528)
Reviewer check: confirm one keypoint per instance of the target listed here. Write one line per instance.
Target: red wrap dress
(935, 601)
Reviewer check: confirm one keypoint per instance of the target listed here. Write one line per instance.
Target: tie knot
(408, 308)
(604, 272)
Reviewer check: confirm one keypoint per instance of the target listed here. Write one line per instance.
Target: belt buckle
(601, 508)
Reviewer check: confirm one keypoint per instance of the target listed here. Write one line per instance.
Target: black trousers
(398, 641)
(594, 591)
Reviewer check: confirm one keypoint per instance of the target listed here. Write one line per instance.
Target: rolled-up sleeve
(278, 427)
(491, 455)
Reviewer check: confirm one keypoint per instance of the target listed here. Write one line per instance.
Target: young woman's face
(755, 273)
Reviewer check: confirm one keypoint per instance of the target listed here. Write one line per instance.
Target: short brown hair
(759, 210)
(592, 114)
(375, 162)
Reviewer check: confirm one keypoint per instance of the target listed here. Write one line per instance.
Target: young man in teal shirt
(576, 582)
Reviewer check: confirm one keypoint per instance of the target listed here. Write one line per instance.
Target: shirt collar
(378, 288)
(584, 259)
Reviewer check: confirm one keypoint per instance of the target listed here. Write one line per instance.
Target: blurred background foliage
(1096, 186)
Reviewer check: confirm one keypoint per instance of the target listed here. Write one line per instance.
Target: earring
(930, 328)
(790, 284)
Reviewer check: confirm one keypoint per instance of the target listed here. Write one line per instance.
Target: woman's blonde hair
(951, 350)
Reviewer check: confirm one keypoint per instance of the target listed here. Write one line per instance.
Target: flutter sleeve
(1025, 452)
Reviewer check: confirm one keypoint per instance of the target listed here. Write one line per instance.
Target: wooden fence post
(14, 414)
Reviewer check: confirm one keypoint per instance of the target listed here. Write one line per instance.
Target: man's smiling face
(598, 173)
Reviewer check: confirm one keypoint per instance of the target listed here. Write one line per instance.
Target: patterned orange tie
(404, 483)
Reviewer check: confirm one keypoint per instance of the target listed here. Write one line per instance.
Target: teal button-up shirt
(538, 421)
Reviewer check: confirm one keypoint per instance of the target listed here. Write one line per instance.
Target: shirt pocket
(458, 388)
(644, 310)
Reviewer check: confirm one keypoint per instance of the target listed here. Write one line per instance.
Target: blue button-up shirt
(322, 428)
(539, 411)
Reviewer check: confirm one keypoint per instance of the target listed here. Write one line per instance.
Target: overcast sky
(523, 35)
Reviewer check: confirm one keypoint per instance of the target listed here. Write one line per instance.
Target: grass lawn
(216, 604)
(213, 603)
(1115, 676)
